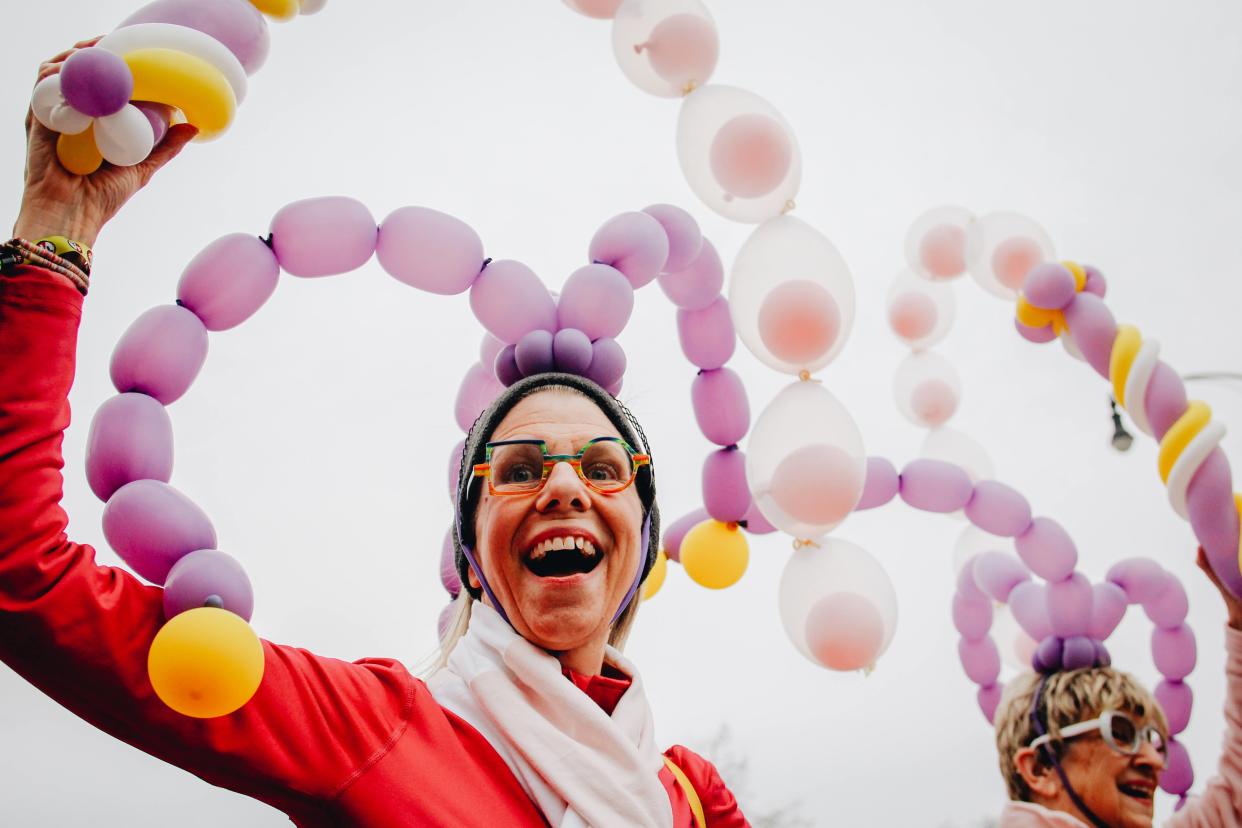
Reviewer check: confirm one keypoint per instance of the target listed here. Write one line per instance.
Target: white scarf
(580, 766)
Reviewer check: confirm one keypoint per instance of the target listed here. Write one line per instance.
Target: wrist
(35, 222)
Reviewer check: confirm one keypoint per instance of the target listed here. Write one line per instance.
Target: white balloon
(953, 446)
(920, 312)
(708, 116)
(833, 565)
(311, 6)
(974, 541)
(125, 137)
(927, 388)
(51, 109)
(805, 461)
(181, 39)
(1015, 646)
(936, 243)
(665, 47)
(1001, 248)
(781, 252)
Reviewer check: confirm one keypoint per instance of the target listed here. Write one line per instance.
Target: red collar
(605, 690)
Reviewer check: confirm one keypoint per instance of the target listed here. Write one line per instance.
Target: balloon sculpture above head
(169, 62)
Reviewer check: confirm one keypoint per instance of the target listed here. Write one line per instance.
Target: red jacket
(325, 741)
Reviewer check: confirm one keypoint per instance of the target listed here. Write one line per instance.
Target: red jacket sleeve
(720, 808)
(80, 631)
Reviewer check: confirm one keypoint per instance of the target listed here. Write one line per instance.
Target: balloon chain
(1068, 616)
(166, 63)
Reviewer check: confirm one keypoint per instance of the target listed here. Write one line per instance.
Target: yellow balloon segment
(655, 578)
(187, 83)
(1080, 274)
(205, 663)
(1032, 316)
(279, 9)
(1187, 427)
(1125, 349)
(715, 554)
(78, 153)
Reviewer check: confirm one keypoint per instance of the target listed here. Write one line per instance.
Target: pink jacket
(1220, 805)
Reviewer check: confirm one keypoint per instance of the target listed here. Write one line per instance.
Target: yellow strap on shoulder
(696, 805)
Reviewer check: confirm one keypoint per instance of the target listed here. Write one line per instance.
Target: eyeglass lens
(518, 467)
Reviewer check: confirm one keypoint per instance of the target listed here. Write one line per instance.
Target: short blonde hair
(1068, 697)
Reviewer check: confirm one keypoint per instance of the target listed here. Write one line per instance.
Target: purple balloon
(510, 301)
(228, 281)
(429, 250)
(725, 493)
(1173, 650)
(1108, 607)
(614, 389)
(1047, 656)
(158, 115)
(235, 23)
(1078, 653)
(1092, 326)
(720, 406)
(607, 363)
(972, 616)
(1214, 518)
(449, 577)
(208, 575)
(323, 236)
(633, 243)
(935, 486)
(1140, 578)
(998, 509)
(989, 699)
(445, 620)
(1047, 549)
(997, 573)
(685, 240)
(707, 335)
(596, 300)
(571, 350)
(489, 349)
(1029, 605)
(966, 583)
(1037, 335)
(1168, 607)
(1050, 286)
(478, 388)
(697, 284)
(151, 526)
(96, 82)
(756, 523)
(1165, 399)
(1176, 700)
(1178, 775)
(980, 659)
(454, 468)
(130, 439)
(506, 368)
(1102, 658)
(1095, 282)
(1069, 605)
(533, 353)
(676, 531)
(160, 354)
(880, 485)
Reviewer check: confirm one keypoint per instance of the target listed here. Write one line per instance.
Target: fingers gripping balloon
(183, 60)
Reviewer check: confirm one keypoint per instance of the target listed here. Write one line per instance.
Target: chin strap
(1050, 755)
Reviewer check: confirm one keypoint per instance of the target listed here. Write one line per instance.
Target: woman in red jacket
(533, 717)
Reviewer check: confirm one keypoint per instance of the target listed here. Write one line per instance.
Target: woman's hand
(1232, 603)
(57, 202)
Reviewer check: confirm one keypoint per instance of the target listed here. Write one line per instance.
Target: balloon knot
(789, 206)
(690, 86)
(267, 240)
(486, 262)
(805, 376)
(800, 543)
(868, 670)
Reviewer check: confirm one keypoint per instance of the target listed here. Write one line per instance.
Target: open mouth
(561, 557)
(1137, 790)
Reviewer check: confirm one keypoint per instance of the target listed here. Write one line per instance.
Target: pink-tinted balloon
(756, 523)
(1140, 578)
(533, 353)
(750, 155)
(607, 363)
(1091, 324)
(998, 509)
(599, 9)
(571, 350)
(96, 82)
(1037, 335)
(1108, 607)
(597, 300)
(707, 336)
(942, 251)
(989, 698)
(508, 298)
(1029, 605)
(207, 577)
(445, 620)
(1173, 650)
(685, 240)
(980, 659)
(1069, 605)
(682, 48)
(151, 526)
(799, 321)
(844, 631)
(1214, 518)
(450, 579)
(1013, 258)
(323, 236)
(160, 354)
(880, 485)
(235, 23)
(478, 388)
(1178, 775)
(997, 573)
(1165, 400)
(935, 486)
(720, 406)
(1176, 700)
(454, 469)
(933, 402)
(1049, 285)
(966, 585)
(972, 616)
(228, 281)
(817, 484)
(675, 532)
(1047, 550)
(912, 315)
(697, 284)
(158, 115)
(429, 250)
(490, 348)
(725, 493)
(1096, 283)
(505, 369)
(1169, 606)
(130, 439)
(633, 243)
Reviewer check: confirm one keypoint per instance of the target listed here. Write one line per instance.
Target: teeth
(587, 548)
(561, 543)
(558, 544)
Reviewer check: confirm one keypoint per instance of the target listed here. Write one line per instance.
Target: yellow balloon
(1195, 418)
(279, 9)
(78, 153)
(205, 662)
(184, 82)
(715, 554)
(1080, 274)
(1125, 350)
(655, 578)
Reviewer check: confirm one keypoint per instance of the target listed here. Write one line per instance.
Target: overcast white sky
(316, 435)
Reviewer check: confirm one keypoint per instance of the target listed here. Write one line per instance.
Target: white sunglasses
(1117, 730)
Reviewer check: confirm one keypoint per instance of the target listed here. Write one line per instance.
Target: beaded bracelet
(21, 251)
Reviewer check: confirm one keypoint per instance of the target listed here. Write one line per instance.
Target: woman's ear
(474, 579)
(1037, 773)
